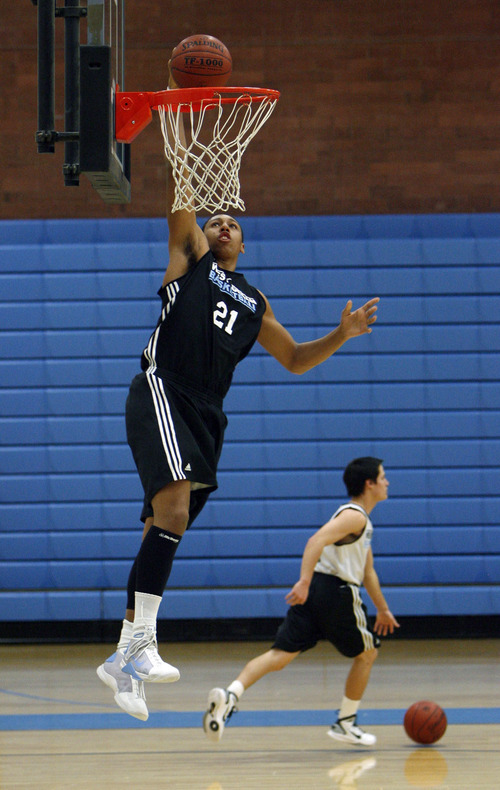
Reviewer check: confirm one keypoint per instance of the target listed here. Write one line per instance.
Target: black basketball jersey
(209, 322)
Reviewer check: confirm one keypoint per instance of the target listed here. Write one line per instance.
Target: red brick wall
(387, 106)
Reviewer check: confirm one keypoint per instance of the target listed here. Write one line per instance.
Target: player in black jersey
(211, 317)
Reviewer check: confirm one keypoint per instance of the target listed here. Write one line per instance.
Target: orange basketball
(425, 722)
(201, 61)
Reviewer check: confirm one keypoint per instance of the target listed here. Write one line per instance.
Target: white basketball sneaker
(129, 692)
(221, 706)
(347, 731)
(143, 662)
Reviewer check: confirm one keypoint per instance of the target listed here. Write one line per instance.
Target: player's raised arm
(186, 241)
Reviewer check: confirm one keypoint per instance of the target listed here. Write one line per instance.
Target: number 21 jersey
(210, 320)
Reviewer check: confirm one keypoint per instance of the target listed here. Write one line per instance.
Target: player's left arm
(301, 357)
(385, 622)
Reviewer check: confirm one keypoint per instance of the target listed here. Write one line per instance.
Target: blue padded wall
(77, 304)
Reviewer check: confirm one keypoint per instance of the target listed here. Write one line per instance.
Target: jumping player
(210, 319)
(326, 604)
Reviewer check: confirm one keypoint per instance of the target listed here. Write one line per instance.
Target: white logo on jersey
(224, 284)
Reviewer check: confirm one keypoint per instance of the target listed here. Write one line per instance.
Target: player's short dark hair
(360, 470)
(219, 213)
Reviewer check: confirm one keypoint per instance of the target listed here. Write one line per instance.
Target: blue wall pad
(77, 304)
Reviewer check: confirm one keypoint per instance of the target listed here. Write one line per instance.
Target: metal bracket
(51, 136)
(75, 11)
(70, 172)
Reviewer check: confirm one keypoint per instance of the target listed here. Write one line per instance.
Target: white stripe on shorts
(360, 616)
(166, 425)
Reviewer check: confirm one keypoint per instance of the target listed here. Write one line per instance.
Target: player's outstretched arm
(301, 357)
(186, 241)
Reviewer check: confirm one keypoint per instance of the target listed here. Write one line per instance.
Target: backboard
(93, 71)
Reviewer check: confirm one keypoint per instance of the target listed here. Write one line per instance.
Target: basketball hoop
(206, 148)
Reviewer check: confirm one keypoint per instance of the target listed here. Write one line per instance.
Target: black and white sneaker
(347, 731)
(221, 705)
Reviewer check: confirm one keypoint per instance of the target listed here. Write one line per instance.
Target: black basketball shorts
(334, 611)
(175, 433)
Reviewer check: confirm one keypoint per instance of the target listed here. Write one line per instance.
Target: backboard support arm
(46, 135)
(90, 76)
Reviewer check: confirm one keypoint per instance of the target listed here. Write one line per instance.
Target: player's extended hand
(385, 622)
(358, 322)
(298, 593)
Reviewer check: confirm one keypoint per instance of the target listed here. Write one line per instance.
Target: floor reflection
(345, 774)
(426, 767)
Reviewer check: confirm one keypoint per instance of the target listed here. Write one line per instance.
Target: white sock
(146, 610)
(236, 688)
(125, 635)
(348, 708)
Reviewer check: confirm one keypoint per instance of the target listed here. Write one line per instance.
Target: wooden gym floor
(60, 728)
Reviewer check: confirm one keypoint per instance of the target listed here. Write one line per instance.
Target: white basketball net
(206, 172)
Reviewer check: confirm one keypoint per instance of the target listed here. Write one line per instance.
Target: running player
(326, 604)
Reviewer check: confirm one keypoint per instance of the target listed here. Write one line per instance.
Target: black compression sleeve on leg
(154, 560)
(132, 579)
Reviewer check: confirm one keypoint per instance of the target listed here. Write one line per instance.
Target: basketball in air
(200, 62)
(425, 722)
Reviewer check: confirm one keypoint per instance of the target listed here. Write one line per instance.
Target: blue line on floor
(250, 718)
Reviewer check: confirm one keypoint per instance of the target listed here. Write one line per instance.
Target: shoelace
(136, 646)
(140, 690)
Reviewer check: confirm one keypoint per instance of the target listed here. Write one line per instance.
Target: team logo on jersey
(224, 283)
